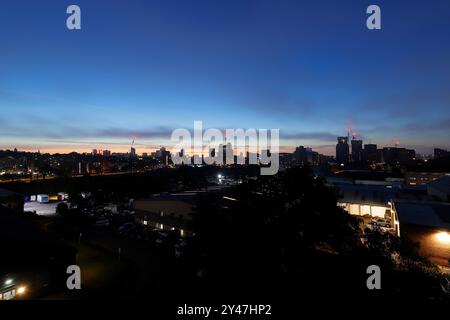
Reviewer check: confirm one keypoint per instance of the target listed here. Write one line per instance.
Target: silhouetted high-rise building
(370, 153)
(163, 155)
(342, 150)
(411, 154)
(440, 153)
(357, 148)
(300, 154)
(161, 152)
(398, 155)
(304, 155)
(226, 153)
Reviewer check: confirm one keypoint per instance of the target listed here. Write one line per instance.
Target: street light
(8, 282)
(443, 237)
(21, 290)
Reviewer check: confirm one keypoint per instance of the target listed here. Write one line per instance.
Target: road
(74, 176)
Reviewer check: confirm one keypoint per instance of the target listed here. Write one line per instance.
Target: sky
(138, 69)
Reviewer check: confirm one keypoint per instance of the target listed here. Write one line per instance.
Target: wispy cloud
(322, 136)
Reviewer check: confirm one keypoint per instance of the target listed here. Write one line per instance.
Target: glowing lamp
(443, 237)
(21, 290)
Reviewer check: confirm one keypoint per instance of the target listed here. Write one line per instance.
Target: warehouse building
(427, 223)
(166, 211)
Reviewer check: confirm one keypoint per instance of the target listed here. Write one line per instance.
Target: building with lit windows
(426, 223)
(166, 211)
(421, 178)
(370, 202)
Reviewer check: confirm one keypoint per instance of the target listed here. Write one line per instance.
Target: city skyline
(237, 150)
(141, 70)
(182, 152)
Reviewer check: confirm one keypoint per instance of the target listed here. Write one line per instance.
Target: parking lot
(122, 226)
(42, 209)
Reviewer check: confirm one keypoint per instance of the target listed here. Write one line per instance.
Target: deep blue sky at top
(141, 68)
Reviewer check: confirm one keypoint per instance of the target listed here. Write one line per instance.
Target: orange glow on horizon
(123, 148)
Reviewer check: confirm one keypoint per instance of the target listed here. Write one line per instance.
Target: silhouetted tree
(62, 208)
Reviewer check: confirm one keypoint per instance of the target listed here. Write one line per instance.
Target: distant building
(394, 155)
(370, 153)
(133, 152)
(357, 150)
(421, 178)
(166, 211)
(440, 153)
(106, 153)
(304, 155)
(226, 154)
(161, 152)
(342, 150)
(440, 188)
(411, 154)
(163, 156)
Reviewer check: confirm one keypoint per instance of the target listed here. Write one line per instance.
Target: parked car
(179, 248)
(162, 236)
(102, 223)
